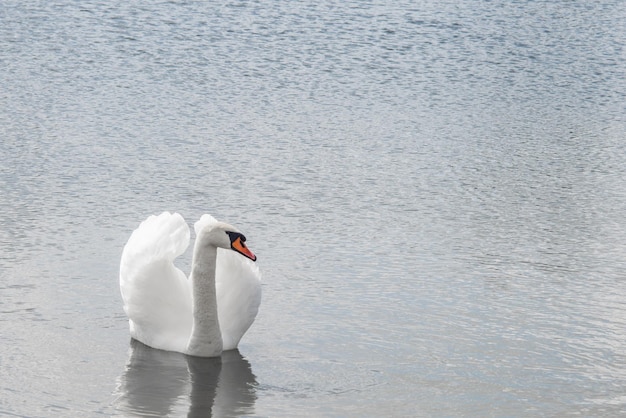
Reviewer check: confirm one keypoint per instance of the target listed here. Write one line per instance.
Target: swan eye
(233, 236)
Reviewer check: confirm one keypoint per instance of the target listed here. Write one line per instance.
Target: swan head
(223, 235)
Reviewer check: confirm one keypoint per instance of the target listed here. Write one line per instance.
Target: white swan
(201, 316)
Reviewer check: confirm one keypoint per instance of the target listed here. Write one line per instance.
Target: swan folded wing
(238, 286)
(204, 220)
(156, 294)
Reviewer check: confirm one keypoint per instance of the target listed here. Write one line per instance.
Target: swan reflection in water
(165, 383)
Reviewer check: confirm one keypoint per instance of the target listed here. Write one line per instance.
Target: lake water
(436, 192)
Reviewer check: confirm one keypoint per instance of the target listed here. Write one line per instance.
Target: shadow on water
(162, 383)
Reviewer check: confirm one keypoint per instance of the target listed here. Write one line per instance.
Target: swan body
(202, 315)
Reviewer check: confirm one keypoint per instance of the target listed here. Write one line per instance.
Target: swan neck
(206, 337)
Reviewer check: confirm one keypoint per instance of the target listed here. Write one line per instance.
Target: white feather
(157, 295)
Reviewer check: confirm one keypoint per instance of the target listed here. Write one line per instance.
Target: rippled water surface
(436, 192)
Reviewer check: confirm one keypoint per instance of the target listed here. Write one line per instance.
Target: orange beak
(241, 248)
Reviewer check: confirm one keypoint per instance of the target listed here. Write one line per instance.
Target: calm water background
(436, 193)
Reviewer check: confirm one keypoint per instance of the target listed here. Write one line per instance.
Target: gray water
(436, 192)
